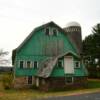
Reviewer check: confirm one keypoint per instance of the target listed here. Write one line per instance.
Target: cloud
(19, 17)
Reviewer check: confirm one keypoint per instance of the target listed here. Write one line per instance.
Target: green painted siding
(35, 50)
(25, 72)
(59, 71)
(37, 44)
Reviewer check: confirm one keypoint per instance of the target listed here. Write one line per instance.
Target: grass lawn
(30, 94)
(93, 83)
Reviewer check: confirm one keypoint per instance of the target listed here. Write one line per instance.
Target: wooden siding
(41, 46)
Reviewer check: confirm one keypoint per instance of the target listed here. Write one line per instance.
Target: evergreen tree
(91, 51)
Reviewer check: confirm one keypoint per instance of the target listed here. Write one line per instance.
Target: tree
(96, 37)
(91, 49)
(3, 60)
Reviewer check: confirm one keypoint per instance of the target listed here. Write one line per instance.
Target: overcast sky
(19, 17)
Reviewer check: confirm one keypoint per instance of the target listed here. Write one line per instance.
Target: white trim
(62, 64)
(78, 64)
(37, 82)
(53, 31)
(70, 71)
(23, 64)
(37, 64)
(49, 30)
(30, 64)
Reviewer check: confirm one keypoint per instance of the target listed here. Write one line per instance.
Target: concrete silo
(73, 31)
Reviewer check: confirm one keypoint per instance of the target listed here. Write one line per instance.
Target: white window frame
(23, 64)
(49, 30)
(56, 31)
(61, 63)
(78, 64)
(72, 80)
(30, 64)
(27, 80)
(37, 64)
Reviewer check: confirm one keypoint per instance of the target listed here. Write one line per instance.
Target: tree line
(91, 52)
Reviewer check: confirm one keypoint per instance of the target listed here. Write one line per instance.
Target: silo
(73, 31)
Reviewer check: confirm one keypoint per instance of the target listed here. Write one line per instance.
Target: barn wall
(41, 46)
(21, 82)
(55, 83)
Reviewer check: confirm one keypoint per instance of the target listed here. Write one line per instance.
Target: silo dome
(73, 30)
(71, 24)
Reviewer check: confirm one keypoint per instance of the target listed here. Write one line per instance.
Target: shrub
(34, 87)
(7, 80)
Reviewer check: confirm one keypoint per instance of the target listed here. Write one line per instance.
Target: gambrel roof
(32, 33)
(37, 29)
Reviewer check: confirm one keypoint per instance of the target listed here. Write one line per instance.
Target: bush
(34, 87)
(7, 80)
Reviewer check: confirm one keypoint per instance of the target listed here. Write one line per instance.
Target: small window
(55, 32)
(69, 80)
(60, 63)
(77, 64)
(21, 65)
(47, 31)
(28, 64)
(35, 64)
(29, 80)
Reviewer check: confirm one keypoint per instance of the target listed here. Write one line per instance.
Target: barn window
(55, 32)
(35, 64)
(69, 79)
(47, 31)
(77, 64)
(21, 64)
(28, 64)
(60, 63)
(29, 79)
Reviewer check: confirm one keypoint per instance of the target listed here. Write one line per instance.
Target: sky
(19, 17)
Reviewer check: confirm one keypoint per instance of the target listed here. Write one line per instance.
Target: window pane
(69, 79)
(29, 79)
(77, 65)
(55, 32)
(60, 63)
(35, 64)
(21, 64)
(47, 31)
(28, 64)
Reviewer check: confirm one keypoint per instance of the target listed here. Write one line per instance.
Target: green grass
(93, 83)
(31, 94)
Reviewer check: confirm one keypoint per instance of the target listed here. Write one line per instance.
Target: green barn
(50, 57)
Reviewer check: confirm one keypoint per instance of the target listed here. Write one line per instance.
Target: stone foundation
(59, 83)
(50, 83)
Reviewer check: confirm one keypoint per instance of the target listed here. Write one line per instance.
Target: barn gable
(38, 40)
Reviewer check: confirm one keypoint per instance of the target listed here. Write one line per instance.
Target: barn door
(68, 65)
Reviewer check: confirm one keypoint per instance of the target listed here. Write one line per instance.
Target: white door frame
(68, 68)
(37, 82)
